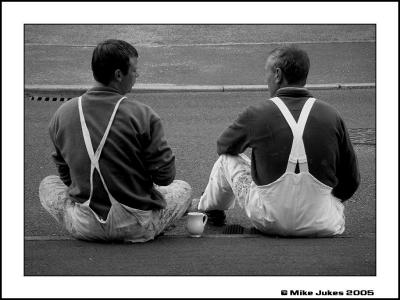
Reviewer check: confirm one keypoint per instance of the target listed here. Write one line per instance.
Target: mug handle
(205, 219)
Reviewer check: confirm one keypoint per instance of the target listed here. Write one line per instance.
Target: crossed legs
(229, 181)
(54, 198)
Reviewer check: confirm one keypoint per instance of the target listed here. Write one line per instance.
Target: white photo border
(15, 15)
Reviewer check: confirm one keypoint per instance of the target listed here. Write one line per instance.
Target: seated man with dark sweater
(302, 167)
(116, 169)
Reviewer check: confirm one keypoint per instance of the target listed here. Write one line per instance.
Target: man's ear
(118, 75)
(278, 75)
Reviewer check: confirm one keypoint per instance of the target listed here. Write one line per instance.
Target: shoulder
(138, 109)
(325, 109)
(325, 115)
(68, 105)
(264, 105)
(325, 105)
(261, 109)
(66, 109)
(65, 114)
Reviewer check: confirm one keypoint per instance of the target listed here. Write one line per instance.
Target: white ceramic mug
(195, 223)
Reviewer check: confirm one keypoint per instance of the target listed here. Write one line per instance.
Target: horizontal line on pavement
(207, 44)
(67, 238)
(47, 238)
(163, 88)
(40, 238)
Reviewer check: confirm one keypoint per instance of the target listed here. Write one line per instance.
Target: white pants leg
(230, 180)
(177, 195)
(54, 198)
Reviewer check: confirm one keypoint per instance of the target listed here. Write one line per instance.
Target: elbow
(66, 181)
(165, 178)
(164, 181)
(345, 193)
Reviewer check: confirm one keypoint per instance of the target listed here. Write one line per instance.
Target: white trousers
(80, 222)
(230, 181)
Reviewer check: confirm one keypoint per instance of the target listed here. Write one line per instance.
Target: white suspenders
(298, 153)
(295, 204)
(95, 156)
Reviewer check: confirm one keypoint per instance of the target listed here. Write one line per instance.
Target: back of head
(109, 56)
(293, 62)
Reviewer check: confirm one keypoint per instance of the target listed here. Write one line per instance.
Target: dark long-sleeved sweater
(135, 155)
(330, 154)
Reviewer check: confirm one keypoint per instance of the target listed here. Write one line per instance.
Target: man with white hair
(302, 165)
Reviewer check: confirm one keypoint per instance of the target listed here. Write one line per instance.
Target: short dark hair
(109, 56)
(293, 62)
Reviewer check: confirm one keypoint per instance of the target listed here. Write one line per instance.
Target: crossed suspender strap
(95, 156)
(298, 152)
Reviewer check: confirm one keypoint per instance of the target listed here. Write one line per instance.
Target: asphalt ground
(183, 34)
(204, 65)
(214, 254)
(193, 122)
(200, 54)
(206, 256)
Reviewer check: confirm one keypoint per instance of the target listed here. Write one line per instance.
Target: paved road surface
(215, 65)
(193, 121)
(164, 35)
(166, 256)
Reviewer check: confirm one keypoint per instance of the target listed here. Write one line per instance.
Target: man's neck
(285, 85)
(111, 85)
(291, 85)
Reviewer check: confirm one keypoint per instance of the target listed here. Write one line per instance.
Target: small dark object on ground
(216, 217)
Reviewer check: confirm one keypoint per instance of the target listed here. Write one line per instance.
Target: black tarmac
(193, 122)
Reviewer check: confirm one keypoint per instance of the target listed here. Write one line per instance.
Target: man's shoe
(216, 217)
